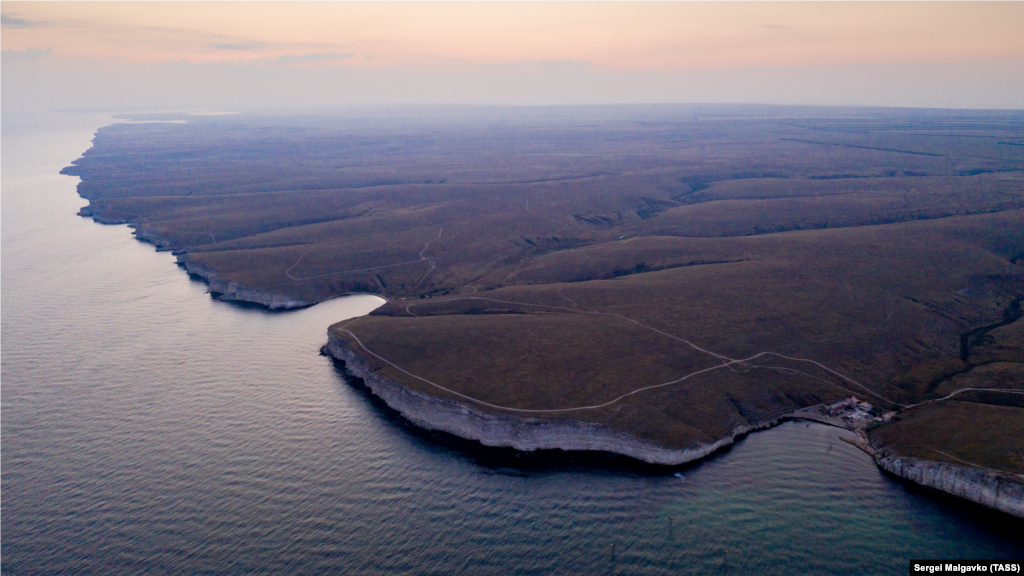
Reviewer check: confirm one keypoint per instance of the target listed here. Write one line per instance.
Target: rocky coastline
(988, 488)
(463, 420)
(229, 290)
(527, 434)
(222, 289)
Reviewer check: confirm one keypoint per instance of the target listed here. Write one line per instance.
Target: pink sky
(914, 53)
(611, 35)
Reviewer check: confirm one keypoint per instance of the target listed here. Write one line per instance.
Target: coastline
(229, 290)
(988, 489)
(221, 288)
(526, 434)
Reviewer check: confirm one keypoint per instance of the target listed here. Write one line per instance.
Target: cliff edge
(988, 488)
(522, 433)
(996, 491)
(233, 291)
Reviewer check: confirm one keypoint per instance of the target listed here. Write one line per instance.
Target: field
(743, 261)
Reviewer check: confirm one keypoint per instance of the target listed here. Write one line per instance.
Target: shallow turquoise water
(149, 429)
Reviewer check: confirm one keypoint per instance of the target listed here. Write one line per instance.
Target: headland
(685, 281)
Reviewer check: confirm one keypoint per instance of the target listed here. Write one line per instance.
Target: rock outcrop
(231, 290)
(146, 235)
(524, 433)
(521, 433)
(227, 290)
(983, 487)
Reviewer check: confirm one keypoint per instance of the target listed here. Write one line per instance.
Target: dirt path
(727, 362)
(423, 258)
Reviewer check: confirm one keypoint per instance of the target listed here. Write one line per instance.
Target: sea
(150, 429)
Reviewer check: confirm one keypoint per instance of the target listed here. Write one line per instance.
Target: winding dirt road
(727, 362)
(422, 258)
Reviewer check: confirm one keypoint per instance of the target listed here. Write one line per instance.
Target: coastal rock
(227, 290)
(88, 213)
(522, 433)
(233, 291)
(980, 486)
(142, 233)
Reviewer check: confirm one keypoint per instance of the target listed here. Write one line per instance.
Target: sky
(251, 55)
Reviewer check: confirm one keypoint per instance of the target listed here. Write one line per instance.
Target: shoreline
(231, 291)
(528, 434)
(220, 288)
(988, 489)
(993, 490)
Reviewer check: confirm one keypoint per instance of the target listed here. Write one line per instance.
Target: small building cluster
(852, 410)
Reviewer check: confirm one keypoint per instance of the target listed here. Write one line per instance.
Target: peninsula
(647, 280)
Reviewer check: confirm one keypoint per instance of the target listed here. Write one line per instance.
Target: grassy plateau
(754, 260)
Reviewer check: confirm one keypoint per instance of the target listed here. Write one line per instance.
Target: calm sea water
(149, 429)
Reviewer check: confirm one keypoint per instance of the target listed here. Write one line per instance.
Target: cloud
(29, 54)
(542, 65)
(12, 22)
(231, 46)
(311, 57)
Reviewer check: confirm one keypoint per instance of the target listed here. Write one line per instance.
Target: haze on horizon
(243, 55)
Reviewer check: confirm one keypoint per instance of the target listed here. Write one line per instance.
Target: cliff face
(162, 244)
(979, 486)
(521, 433)
(231, 290)
(227, 290)
(525, 433)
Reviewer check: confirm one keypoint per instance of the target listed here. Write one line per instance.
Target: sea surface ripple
(147, 428)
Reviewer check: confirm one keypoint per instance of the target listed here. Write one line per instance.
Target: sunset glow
(613, 36)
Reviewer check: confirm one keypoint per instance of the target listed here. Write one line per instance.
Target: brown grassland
(549, 259)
